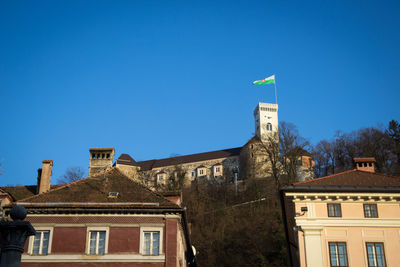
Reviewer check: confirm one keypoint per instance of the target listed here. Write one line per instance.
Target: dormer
(365, 164)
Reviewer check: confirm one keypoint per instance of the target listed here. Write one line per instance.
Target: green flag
(268, 80)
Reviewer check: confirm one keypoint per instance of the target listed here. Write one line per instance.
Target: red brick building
(105, 220)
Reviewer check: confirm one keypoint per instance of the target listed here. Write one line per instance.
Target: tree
(283, 149)
(71, 174)
(337, 155)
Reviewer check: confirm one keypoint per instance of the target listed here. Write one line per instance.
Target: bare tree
(336, 155)
(71, 174)
(283, 151)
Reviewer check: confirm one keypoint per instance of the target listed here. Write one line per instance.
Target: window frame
(335, 205)
(375, 259)
(269, 127)
(32, 239)
(370, 205)
(146, 229)
(336, 246)
(202, 172)
(97, 229)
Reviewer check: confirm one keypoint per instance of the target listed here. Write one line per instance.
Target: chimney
(44, 184)
(101, 159)
(365, 164)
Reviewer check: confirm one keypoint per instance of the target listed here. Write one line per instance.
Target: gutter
(66, 204)
(357, 189)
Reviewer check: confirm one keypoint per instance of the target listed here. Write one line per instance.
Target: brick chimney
(365, 164)
(44, 184)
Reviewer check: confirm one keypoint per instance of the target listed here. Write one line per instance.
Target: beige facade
(316, 229)
(346, 219)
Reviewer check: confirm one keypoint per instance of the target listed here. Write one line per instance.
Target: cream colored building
(346, 219)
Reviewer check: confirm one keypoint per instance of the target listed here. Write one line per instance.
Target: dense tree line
(336, 155)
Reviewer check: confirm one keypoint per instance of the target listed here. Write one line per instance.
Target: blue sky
(155, 78)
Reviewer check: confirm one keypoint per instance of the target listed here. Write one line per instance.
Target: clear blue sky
(152, 78)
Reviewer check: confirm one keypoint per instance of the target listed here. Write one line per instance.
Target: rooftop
(354, 180)
(125, 159)
(95, 191)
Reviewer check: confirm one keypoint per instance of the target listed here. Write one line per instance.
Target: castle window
(98, 156)
(269, 127)
(103, 156)
(193, 173)
(93, 155)
(108, 155)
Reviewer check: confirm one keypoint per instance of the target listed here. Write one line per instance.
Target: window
(334, 210)
(193, 174)
(97, 240)
(217, 169)
(370, 211)
(376, 255)
(201, 172)
(40, 244)
(151, 243)
(97, 243)
(269, 127)
(151, 240)
(338, 254)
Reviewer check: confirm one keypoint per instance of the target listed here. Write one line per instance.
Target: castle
(221, 165)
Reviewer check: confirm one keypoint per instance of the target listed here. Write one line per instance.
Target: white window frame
(32, 238)
(202, 171)
(218, 170)
(96, 229)
(144, 229)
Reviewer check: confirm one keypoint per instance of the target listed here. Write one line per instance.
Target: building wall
(318, 229)
(69, 240)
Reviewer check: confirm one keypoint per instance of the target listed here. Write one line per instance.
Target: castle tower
(266, 120)
(101, 159)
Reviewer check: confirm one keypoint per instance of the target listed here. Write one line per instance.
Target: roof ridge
(325, 177)
(190, 154)
(381, 174)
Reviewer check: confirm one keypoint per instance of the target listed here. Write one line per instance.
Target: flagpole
(276, 96)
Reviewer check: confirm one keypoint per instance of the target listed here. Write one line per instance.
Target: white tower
(266, 120)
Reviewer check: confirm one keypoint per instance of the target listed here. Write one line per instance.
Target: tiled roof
(20, 192)
(353, 178)
(157, 163)
(96, 190)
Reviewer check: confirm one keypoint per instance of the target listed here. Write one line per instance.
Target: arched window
(269, 127)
